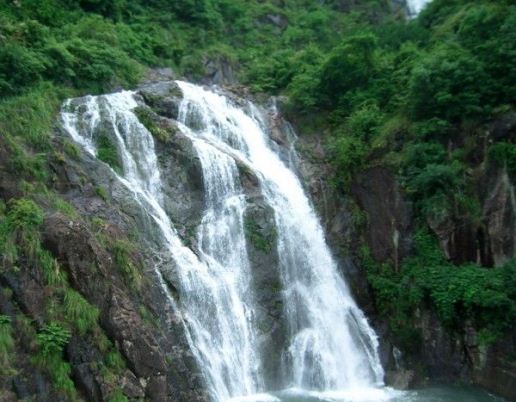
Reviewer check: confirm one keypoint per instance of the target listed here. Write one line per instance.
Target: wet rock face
(443, 353)
(140, 347)
(389, 221)
(162, 97)
(500, 216)
(377, 213)
(180, 167)
(266, 284)
(93, 274)
(218, 70)
(492, 242)
(160, 364)
(182, 174)
(494, 368)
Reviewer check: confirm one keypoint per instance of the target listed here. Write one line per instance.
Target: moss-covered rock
(151, 122)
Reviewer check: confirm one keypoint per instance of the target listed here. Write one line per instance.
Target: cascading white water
(212, 288)
(227, 337)
(331, 345)
(415, 6)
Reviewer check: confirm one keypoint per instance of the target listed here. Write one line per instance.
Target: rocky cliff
(377, 213)
(105, 248)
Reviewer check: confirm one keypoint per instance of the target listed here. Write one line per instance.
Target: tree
(448, 83)
(349, 66)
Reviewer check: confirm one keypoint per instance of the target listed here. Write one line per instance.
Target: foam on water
(331, 346)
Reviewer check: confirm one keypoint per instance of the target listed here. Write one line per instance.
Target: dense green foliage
(94, 45)
(66, 311)
(484, 297)
(52, 49)
(51, 340)
(417, 97)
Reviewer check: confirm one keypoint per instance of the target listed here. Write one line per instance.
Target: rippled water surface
(435, 394)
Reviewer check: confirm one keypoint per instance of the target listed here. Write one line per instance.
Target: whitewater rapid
(331, 347)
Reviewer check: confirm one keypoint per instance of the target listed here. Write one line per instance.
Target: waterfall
(415, 6)
(330, 343)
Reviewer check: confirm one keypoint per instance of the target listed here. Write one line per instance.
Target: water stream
(415, 6)
(331, 352)
(331, 344)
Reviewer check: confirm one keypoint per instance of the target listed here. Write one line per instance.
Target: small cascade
(223, 312)
(415, 6)
(331, 346)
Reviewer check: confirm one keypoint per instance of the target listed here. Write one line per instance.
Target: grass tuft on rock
(6, 344)
(107, 152)
(78, 311)
(145, 116)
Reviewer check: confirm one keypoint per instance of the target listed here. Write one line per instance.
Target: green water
(434, 394)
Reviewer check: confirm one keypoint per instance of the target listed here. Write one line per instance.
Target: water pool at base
(433, 394)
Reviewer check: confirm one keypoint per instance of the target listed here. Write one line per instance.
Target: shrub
(484, 296)
(435, 178)
(304, 90)
(434, 129)
(114, 361)
(364, 122)
(487, 30)
(52, 338)
(24, 214)
(450, 84)
(25, 124)
(20, 229)
(349, 66)
(19, 68)
(503, 154)
(273, 73)
(349, 156)
(52, 272)
(30, 116)
(19, 235)
(101, 192)
(98, 66)
(24, 163)
(118, 396)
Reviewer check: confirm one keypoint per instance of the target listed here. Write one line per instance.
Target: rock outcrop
(150, 335)
(135, 317)
(377, 213)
